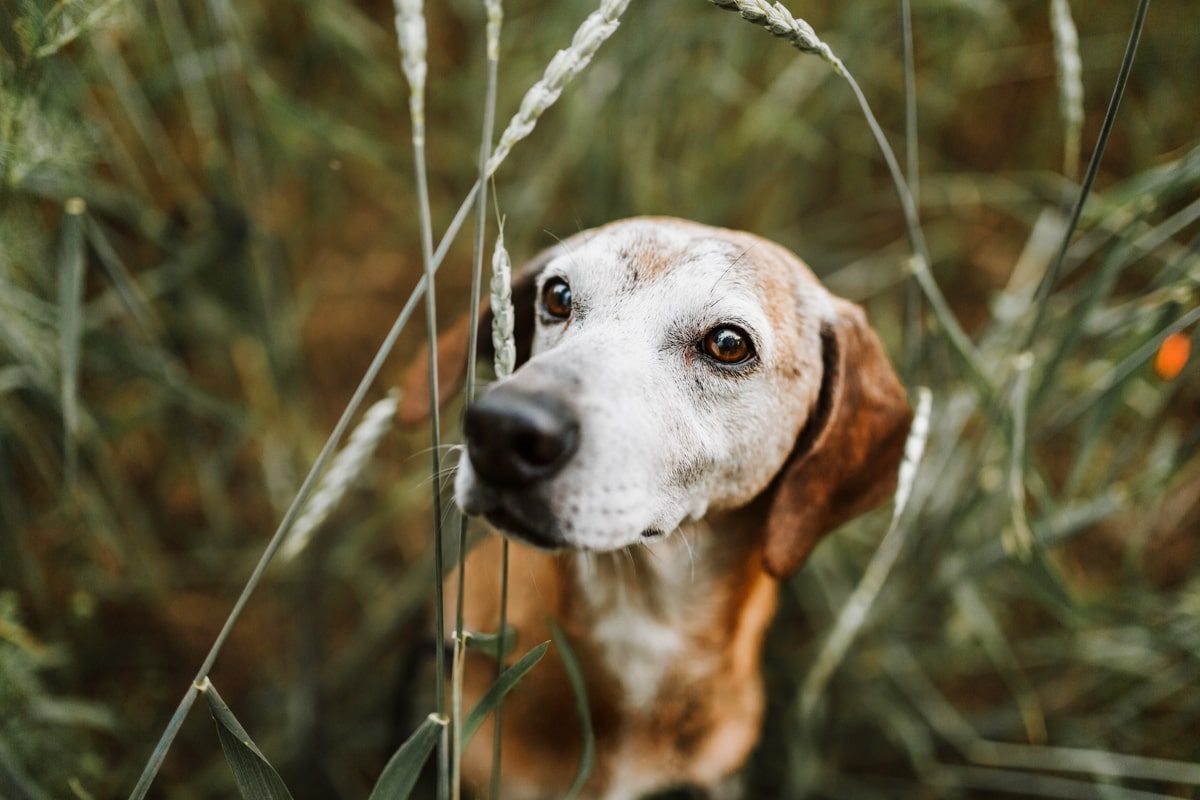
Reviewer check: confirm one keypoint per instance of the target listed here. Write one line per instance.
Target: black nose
(517, 438)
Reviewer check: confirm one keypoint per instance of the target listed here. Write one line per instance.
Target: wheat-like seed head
(502, 310)
(561, 70)
(410, 33)
(780, 22)
(349, 464)
(495, 16)
(1069, 68)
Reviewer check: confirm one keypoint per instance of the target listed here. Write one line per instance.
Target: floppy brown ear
(453, 342)
(846, 457)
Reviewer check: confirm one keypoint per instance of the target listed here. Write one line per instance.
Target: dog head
(669, 369)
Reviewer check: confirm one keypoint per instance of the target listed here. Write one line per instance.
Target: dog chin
(524, 519)
(541, 535)
(507, 514)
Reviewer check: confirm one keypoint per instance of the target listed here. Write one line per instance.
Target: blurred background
(207, 214)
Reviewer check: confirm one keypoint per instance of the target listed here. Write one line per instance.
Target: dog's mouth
(526, 516)
(515, 525)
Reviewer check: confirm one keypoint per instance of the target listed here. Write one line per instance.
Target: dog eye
(556, 298)
(728, 344)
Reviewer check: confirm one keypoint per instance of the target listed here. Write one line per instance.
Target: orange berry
(1172, 356)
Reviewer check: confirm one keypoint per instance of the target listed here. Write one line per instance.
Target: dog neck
(677, 602)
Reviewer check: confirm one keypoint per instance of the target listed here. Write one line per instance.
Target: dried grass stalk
(348, 466)
(1069, 69)
(502, 310)
(561, 70)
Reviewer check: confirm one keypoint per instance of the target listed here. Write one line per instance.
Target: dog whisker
(444, 448)
(650, 550)
(441, 475)
(633, 561)
(690, 551)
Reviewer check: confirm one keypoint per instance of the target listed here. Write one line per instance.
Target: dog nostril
(538, 449)
(516, 438)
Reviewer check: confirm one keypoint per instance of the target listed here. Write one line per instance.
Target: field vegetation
(208, 224)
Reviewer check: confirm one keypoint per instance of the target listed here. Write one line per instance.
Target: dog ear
(452, 346)
(847, 455)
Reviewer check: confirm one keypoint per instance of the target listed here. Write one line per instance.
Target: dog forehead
(687, 259)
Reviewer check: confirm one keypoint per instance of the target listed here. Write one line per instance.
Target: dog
(691, 413)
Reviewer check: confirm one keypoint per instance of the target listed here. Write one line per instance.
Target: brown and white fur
(693, 488)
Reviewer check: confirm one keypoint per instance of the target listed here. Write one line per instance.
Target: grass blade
(503, 685)
(912, 291)
(778, 21)
(256, 778)
(587, 758)
(501, 645)
(398, 778)
(1069, 69)
(349, 465)
(490, 643)
(70, 296)
(854, 614)
(1081, 760)
(1018, 538)
(562, 69)
(495, 17)
(990, 634)
(412, 39)
(504, 344)
(1051, 277)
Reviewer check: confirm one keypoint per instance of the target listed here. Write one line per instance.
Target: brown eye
(728, 344)
(556, 298)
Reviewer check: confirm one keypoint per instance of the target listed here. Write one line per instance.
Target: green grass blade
(587, 759)
(1050, 279)
(404, 767)
(70, 296)
(495, 16)
(991, 636)
(503, 685)
(857, 609)
(412, 39)
(912, 292)
(256, 778)
(490, 643)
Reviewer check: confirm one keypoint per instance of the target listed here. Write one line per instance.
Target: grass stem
(411, 34)
(776, 19)
(854, 614)
(912, 291)
(1050, 280)
(495, 15)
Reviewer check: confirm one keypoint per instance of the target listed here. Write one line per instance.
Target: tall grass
(253, 221)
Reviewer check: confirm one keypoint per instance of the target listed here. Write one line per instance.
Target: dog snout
(517, 438)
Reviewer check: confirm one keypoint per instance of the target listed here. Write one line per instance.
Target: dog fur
(695, 488)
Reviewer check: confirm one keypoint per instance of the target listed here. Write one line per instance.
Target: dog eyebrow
(565, 244)
(733, 263)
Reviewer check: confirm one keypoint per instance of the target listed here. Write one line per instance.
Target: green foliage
(47, 741)
(250, 230)
(504, 684)
(587, 759)
(256, 778)
(489, 643)
(404, 768)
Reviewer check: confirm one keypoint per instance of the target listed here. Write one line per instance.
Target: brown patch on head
(646, 259)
